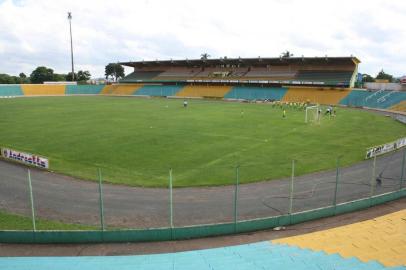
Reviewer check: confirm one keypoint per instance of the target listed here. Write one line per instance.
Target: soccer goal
(312, 114)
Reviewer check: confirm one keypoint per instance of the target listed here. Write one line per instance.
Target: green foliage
(80, 76)
(204, 56)
(135, 141)
(42, 74)
(384, 76)
(115, 71)
(7, 79)
(367, 78)
(286, 54)
(10, 221)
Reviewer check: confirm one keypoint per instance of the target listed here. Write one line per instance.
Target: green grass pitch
(135, 141)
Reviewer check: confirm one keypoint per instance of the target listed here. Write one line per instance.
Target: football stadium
(283, 162)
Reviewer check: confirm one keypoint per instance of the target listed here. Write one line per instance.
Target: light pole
(71, 44)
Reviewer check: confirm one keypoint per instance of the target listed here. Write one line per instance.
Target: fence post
(170, 199)
(291, 187)
(373, 178)
(403, 169)
(101, 204)
(337, 178)
(237, 180)
(34, 227)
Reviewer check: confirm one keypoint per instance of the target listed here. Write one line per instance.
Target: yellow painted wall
(315, 95)
(125, 89)
(203, 91)
(43, 89)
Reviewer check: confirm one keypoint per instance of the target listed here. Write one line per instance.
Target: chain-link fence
(81, 205)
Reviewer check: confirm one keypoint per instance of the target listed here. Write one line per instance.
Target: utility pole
(71, 44)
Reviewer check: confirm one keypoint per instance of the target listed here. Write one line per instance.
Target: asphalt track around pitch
(67, 199)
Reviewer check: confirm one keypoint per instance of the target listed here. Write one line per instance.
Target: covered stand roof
(259, 61)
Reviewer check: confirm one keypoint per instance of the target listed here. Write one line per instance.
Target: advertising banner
(25, 158)
(385, 148)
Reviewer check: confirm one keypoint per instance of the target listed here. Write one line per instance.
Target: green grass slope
(136, 141)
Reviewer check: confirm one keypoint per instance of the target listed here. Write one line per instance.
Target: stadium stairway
(158, 90)
(83, 89)
(382, 239)
(204, 91)
(256, 93)
(43, 89)
(10, 90)
(374, 244)
(315, 95)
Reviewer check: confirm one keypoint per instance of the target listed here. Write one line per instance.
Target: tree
(59, 77)
(116, 71)
(68, 76)
(22, 75)
(7, 79)
(384, 76)
(286, 54)
(85, 75)
(42, 74)
(367, 78)
(204, 56)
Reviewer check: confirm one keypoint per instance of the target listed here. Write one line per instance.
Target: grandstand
(326, 71)
(317, 80)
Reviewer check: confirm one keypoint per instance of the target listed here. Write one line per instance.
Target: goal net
(312, 114)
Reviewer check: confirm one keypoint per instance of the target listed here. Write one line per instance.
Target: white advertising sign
(25, 158)
(385, 148)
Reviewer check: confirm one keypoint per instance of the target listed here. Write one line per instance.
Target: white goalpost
(312, 114)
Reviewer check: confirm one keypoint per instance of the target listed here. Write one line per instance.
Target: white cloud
(35, 32)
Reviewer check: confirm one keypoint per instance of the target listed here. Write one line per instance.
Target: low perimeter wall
(164, 234)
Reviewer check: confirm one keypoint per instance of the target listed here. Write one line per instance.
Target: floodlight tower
(71, 44)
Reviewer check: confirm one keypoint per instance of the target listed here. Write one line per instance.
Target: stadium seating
(400, 107)
(203, 91)
(373, 99)
(382, 239)
(83, 89)
(256, 93)
(120, 89)
(10, 90)
(315, 95)
(261, 255)
(355, 98)
(43, 89)
(328, 77)
(158, 90)
(140, 76)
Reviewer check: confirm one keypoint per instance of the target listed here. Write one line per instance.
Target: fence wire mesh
(70, 204)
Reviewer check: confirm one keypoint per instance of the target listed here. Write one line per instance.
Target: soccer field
(135, 141)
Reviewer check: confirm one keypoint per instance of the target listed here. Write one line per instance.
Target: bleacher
(204, 91)
(381, 99)
(256, 93)
(140, 76)
(158, 90)
(325, 76)
(315, 95)
(375, 244)
(83, 89)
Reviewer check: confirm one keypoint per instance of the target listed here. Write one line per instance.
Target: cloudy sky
(36, 32)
